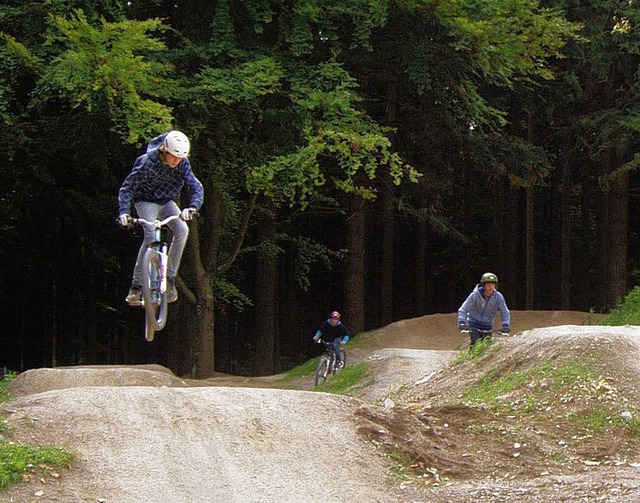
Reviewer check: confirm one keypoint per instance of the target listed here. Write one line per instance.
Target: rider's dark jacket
(329, 333)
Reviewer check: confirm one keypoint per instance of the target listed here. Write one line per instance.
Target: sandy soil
(142, 434)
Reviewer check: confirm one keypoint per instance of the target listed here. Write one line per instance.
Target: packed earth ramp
(142, 434)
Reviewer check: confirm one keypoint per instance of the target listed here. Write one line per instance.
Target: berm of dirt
(550, 413)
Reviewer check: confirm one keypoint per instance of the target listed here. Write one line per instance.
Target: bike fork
(164, 261)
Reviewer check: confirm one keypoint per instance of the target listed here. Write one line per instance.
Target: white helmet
(177, 143)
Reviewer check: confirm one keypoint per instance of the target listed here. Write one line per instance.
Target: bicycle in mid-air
(327, 366)
(155, 264)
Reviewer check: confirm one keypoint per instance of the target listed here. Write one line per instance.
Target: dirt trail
(141, 434)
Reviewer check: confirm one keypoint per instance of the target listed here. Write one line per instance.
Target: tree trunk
(202, 299)
(530, 244)
(513, 239)
(354, 273)
(565, 237)
(266, 286)
(420, 301)
(386, 293)
(205, 316)
(616, 280)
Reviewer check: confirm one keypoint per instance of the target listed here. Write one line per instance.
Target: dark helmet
(335, 314)
(489, 277)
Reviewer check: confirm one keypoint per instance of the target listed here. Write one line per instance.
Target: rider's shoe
(339, 365)
(172, 292)
(134, 298)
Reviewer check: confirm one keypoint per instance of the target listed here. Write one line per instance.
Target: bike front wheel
(323, 369)
(155, 300)
(343, 356)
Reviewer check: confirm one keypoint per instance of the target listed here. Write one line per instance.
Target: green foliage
(229, 294)
(627, 312)
(244, 82)
(308, 253)
(342, 144)
(107, 67)
(507, 40)
(336, 25)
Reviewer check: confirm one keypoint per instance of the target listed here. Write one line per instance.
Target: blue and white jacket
(152, 181)
(479, 311)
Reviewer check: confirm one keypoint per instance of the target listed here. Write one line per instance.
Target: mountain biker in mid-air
(477, 313)
(152, 185)
(334, 331)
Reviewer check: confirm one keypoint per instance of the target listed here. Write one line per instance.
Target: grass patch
(308, 368)
(4, 382)
(601, 420)
(537, 392)
(348, 379)
(473, 353)
(539, 385)
(18, 461)
(627, 312)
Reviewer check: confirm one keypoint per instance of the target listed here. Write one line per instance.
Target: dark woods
(370, 158)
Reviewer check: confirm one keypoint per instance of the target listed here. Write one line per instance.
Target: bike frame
(155, 282)
(327, 362)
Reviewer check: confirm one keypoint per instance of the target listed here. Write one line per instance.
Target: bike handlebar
(484, 332)
(155, 223)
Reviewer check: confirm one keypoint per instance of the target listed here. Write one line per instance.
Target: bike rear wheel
(155, 300)
(323, 369)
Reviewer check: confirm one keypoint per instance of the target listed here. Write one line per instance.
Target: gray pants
(179, 230)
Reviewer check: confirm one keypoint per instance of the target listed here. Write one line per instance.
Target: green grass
(600, 420)
(529, 394)
(545, 378)
(473, 353)
(348, 379)
(4, 394)
(19, 460)
(308, 368)
(627, 312)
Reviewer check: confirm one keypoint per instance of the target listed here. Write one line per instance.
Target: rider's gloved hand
(125, 220)
(188, 213)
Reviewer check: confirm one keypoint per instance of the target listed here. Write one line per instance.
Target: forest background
(370, 156)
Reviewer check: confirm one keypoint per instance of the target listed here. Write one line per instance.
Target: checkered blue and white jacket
(152, 181)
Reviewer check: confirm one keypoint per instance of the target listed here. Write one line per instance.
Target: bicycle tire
(334, 367)
(155, 301)
(323, 369)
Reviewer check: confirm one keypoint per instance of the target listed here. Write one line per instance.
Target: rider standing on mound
(155, 181)
(334, 331)
(478, 312)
